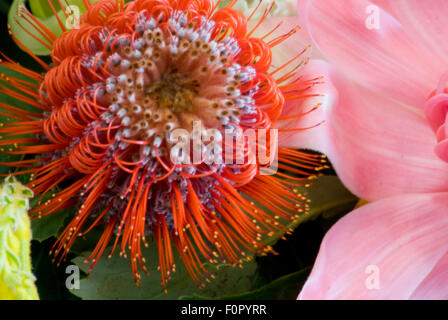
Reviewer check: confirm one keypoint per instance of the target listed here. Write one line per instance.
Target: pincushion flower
(118, 87)
(386, 137)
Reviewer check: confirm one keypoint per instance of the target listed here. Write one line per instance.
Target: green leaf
(112, 279)
(16, 23)
(48, 226)
(328, 198)
(41, 9)
(42, 12)
(6, 99)
(283, 288)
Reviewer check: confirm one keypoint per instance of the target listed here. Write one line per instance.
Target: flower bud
(16, 279)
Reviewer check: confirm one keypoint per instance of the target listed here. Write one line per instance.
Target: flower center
(175, 92)
(163, 79)
(436, 111)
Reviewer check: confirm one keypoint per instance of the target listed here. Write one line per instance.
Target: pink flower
(386, 134)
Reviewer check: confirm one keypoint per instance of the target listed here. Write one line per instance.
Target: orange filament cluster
(101, 132)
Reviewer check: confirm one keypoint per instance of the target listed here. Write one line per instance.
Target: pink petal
(436, 109)
(436, 112)
(378, 147)
(435, 284)
(398, 241)
(388, 60)
(426, 20)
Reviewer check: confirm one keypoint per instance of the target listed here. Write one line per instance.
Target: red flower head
(118, 87)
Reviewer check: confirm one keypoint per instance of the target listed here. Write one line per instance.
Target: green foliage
(48, 226)
(283, 288)
(21, 28)
(112, 278)
(16, 278)
(6, 99)
(41, 9)
(328, 197)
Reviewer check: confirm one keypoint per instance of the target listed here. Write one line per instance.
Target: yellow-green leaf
(16, 278)
(41, 10)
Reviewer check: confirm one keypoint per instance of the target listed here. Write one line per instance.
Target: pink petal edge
(401, 245)
(388, 60)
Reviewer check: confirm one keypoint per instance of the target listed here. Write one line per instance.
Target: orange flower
(117, 89)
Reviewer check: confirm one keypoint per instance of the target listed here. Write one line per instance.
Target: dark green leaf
(112, 279)
(48, 226)
(50, 277)
(284, 288)
(6, 99)
(328, 198)
(4, 7)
